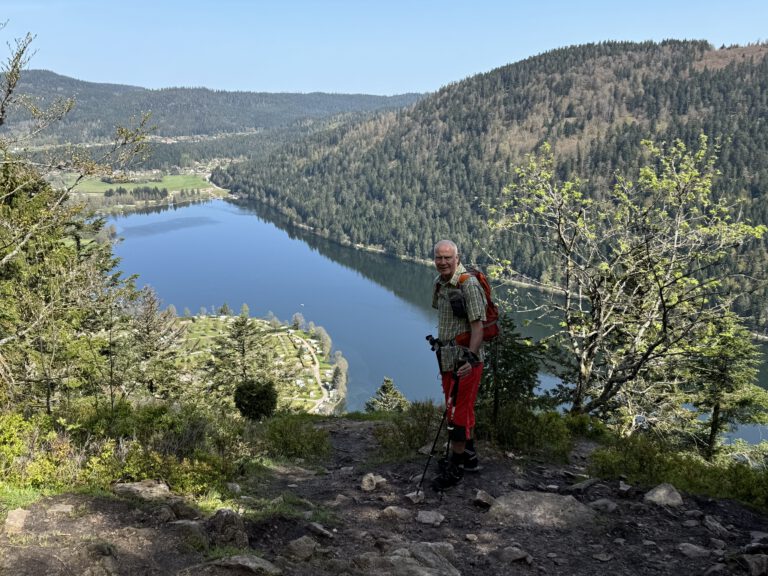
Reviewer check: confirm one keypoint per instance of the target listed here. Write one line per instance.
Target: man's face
(446, 261)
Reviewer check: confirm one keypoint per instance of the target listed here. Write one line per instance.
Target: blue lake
(376, 309)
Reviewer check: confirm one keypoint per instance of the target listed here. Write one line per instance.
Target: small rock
(320, 530)
(604, 505)
(340, 500)
(715, 527)
(664, 495)
(603, 557)
(717, 544)
(513, 554)
(61, 509)
(624, 488)
(471, 537)
(227, 528)
(691, 523)
(430, 517)
(581, 487)
(253, 564)
(234, 488)
(371, 482)
(416, 497)
(417, 478)
(14, 522)
(521, 484)
(483, 500)
(302, 548)
(145, 490)
(692, 550)
(396, 513)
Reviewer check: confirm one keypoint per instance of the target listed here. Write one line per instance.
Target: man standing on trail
(460, 302)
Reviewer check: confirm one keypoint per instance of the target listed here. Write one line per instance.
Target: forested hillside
(184, 112)
(409, 177)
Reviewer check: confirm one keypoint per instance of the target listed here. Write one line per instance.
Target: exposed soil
(85, 535)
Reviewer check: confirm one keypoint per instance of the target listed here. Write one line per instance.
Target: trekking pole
(431, 451)
(435, 344)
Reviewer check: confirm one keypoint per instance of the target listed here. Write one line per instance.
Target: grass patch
(12, 497)
(286, 505)
(174, 183)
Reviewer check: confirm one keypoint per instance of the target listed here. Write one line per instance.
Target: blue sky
(343, 46)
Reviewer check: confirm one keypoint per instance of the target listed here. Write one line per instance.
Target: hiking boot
(450, 476)
(471, 463)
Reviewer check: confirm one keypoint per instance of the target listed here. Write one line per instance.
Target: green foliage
(14, 436)
(402, 433)
(585, 426)
(520, 428)
(721, 377)
(256, 400)
(387, 399)
(645, 461)
(511, 371)
(295, 436)
(641, 268)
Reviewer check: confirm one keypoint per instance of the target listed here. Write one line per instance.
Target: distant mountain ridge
(187, 111)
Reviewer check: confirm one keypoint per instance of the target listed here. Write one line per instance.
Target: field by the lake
(173, 183)
(102, 196)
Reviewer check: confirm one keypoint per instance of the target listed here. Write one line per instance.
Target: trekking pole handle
(434, 343)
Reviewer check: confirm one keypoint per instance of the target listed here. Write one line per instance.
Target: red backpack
(491, 323)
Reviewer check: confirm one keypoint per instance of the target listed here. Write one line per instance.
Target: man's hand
(470, 360)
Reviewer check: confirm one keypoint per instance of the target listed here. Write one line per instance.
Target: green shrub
(387, 399)
(256, 400)
(519, 428)
(197, 475)
(404, 432)
(294, 436)
(14, 433)
(33, 454)
(171, 428)
(585, 426)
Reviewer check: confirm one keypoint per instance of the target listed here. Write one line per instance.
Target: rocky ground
(516, 516)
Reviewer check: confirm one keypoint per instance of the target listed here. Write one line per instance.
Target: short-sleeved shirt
(448, 324)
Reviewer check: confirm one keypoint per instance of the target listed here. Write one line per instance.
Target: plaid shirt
(448, 325)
